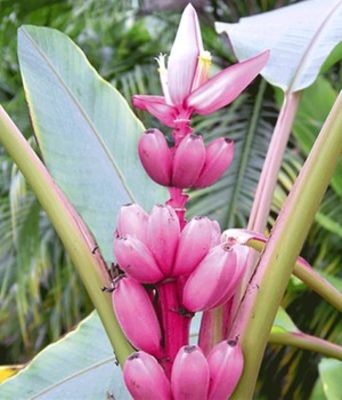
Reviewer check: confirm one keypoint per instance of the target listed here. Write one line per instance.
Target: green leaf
(334, 57)
(283, 322)
(314, 108)
(300, 38)
(330, 372)
(318, 392)
(79, 366)
(86, 131)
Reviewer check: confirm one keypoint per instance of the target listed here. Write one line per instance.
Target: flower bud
(155, 156)
(194, 244)
(145, 378)
(190, 374)
(188, 161)
(132, 220)
(225, 364)
(208, 281)
(135, 313)
(219, 155)
(163, 232)
(136, 259)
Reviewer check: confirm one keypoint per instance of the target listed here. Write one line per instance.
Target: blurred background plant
(41, 296)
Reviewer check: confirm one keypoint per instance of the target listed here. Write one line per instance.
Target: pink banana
(188, 161)
(241, 253)
(163, 232)
(145, 378)
(207, 282)
(194, 244)
(132, 220)
(226, 365)
(190, 374)
(136, 259)
(219, 155)
(215, 234)
(155, 156)
(135, 313)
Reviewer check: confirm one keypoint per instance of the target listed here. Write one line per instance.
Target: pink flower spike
(135, 313)
(219, 155)
(136, 259)
(163, 232)
(190, 374)
(207, 282)
(155, 156)
(184, 55)
(145, 378)
(188, 161)
(226, 365)
(226, 86)
(194, 244)
(132, 220)
(156, 105)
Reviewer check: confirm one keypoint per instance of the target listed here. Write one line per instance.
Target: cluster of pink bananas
(190, 164)
(152, 249)
(172, 268)
(193, 375)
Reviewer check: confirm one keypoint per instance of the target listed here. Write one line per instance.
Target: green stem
(310, 277)
(307, 342)
(266, 289)
(70, 228)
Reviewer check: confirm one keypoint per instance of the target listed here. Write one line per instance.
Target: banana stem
(266, 289)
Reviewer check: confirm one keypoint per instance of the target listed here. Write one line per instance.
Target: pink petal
(184, 56)
(226, 86)
(156, 106)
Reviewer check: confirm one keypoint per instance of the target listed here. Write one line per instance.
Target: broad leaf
(314, 108)
(330, 372)
(283, 322)
(79, 366)
(300, 38)
(86, 131)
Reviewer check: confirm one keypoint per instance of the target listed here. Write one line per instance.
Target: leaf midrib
(82, 112)
(73, 376)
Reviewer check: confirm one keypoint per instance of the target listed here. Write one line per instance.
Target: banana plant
(148, 269)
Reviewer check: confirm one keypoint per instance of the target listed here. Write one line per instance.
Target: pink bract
(181, 96)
